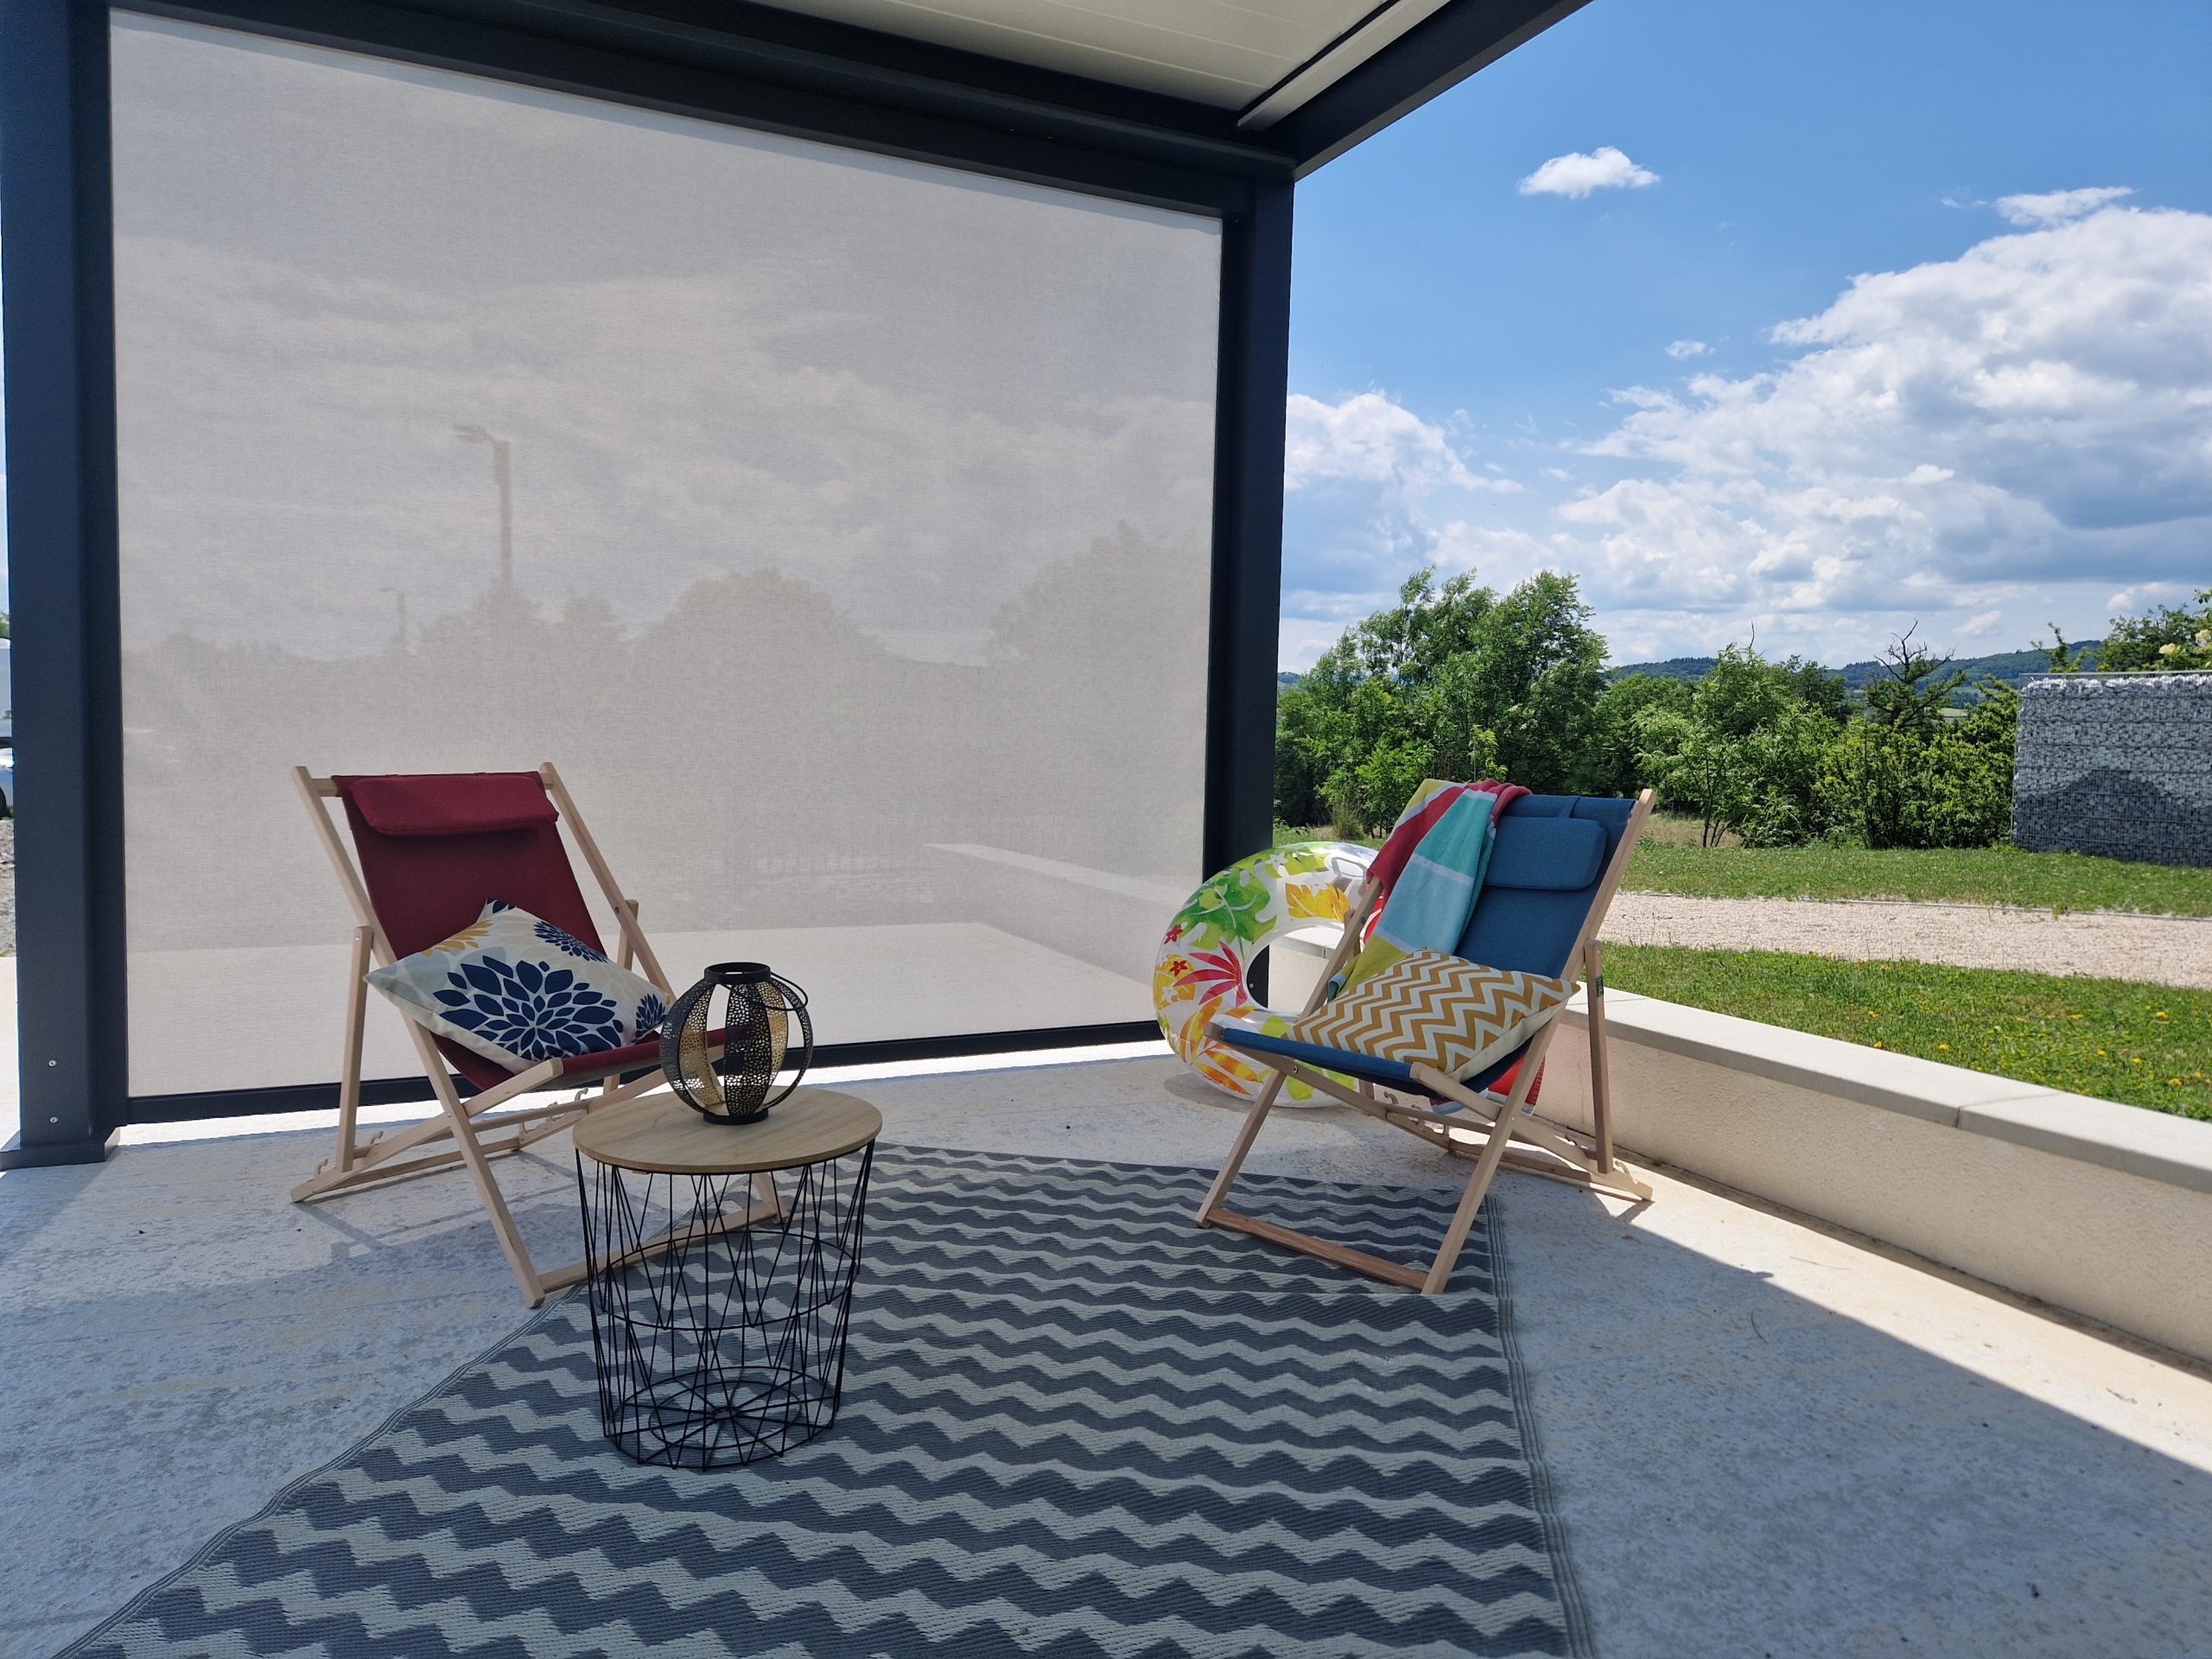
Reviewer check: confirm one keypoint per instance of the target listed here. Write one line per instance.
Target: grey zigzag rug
(1074, 1424)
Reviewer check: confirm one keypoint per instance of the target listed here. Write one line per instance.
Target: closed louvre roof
(1230, 53)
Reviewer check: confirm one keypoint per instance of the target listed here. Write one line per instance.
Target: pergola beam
(613, 54)
(1431, 58)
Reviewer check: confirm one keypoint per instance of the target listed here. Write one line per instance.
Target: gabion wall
(2120, 766)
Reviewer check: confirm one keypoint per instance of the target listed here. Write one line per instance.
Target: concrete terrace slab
(1766, 1438)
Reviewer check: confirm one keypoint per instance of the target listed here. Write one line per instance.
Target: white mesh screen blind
(855, 560)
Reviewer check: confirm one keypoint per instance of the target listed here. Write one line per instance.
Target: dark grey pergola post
(730, 61)
(60, 437)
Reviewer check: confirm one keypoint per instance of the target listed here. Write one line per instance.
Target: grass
(2142, 1045)
(1980, 876)
(1670, 861)
(1680, 830)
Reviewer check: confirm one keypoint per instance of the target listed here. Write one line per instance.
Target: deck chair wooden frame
(1486, 1125)
(484, 1125)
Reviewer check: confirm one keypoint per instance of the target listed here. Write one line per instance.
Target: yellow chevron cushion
(1432, 1009)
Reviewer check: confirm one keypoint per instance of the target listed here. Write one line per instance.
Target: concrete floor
(1766, 1439)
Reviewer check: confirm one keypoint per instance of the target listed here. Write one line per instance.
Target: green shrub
(1744, 754)
(1951, 787)
(1366, 799)
(2170, 638)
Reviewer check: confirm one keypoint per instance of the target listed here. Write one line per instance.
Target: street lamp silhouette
(503, 475)
(400, 640)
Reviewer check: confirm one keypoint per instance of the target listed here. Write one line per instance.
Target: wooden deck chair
(433, 848)
(1555, 862)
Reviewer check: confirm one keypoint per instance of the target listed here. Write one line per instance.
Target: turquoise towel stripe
(1428, 908)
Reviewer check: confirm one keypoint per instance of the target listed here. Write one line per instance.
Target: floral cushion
(517, 989)
(1432, 1009)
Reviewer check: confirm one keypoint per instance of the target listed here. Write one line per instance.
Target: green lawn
(1670, 861)
(2144, 1044)
(1989, 875)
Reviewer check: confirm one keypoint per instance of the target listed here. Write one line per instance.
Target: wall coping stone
(2133, 1139)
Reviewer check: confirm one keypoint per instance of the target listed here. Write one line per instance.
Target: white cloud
(1682, 348)
(1576, 174)
(2032, 412)
(2150, 595)
(1985, 444)
(2059, 206)
(1375, 492)
(1370, 438)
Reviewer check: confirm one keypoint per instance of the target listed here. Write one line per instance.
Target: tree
(1453, 681)
(1823, 689)
(2060, 658)
(2142, 641)
(1906, 782)
(1908, 776)
(1913, 691)
(1616, 757)
(1531, 676)
(1744, 754)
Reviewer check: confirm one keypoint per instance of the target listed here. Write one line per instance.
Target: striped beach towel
(1432, 868)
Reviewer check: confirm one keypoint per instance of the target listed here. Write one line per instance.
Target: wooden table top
(659, 1134)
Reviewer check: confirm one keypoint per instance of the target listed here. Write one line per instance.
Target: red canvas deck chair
(1556, 863)
(432, 848)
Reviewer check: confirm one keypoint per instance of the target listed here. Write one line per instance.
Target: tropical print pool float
(1200, 974)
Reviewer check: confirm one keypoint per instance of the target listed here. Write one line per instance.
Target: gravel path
(2106, 944)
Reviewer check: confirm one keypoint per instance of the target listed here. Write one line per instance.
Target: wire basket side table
(721, 1262)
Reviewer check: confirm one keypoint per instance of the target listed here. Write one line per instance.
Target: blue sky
(2014, 429)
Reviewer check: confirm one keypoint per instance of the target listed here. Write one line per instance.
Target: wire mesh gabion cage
(761, 1014)
(718, 1305)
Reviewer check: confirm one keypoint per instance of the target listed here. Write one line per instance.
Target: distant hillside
(2004, 666)
(1675, 668)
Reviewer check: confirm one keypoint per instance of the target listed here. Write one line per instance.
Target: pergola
(883, 403)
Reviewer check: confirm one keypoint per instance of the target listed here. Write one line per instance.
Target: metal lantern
(739, 1082)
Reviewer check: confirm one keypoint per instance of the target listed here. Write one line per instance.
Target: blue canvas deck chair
(1555, 864)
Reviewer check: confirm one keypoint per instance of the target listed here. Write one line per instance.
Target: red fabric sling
(433, 848)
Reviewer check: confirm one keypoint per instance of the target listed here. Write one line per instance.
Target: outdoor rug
(1072, 1424)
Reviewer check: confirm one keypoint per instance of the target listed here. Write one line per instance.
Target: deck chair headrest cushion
(449, 804)
(1546, 854)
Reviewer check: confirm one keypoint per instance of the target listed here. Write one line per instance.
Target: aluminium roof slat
(1226, 53)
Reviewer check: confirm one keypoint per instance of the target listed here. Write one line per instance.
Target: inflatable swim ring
(1200, 974)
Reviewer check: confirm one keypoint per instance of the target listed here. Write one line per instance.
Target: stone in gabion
(2116, 765)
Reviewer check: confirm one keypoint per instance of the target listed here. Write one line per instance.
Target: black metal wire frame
(718, 1305)
(723, 60)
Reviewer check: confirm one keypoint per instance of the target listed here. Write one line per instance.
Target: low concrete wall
(1109, 920)
(2117, 765)
(2101, 1209)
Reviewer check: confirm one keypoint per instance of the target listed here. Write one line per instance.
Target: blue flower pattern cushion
(517, 989)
